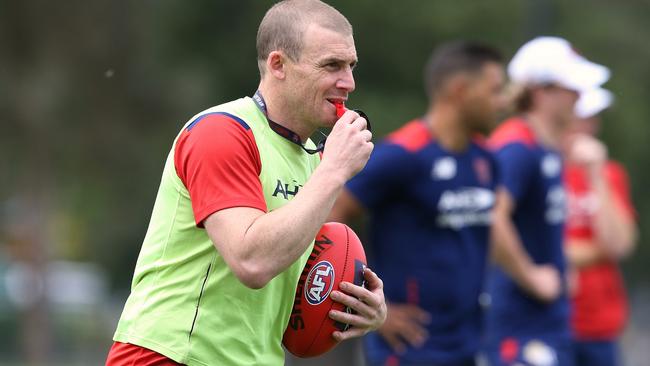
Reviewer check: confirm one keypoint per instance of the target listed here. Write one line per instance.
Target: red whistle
(340, 108)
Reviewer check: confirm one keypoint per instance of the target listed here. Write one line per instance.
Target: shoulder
(215, 131)
(512, 131)
(213, 138)
(411, 137)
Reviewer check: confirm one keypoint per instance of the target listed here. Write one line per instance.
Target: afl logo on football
(319, 282)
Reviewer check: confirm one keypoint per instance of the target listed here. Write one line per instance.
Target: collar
(283, 131)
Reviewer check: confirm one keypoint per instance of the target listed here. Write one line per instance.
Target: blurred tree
(93, 93)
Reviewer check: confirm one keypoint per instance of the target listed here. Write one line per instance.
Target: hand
(405, 322)
(368, 305)
(544, 282)
(348, 145)
(588, 151)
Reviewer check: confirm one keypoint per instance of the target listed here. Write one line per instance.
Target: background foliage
(93, 92)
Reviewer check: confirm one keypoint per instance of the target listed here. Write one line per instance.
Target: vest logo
(319, 282)
(285, 190)
(444, 168)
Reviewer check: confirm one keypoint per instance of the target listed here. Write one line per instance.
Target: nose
(346, 80)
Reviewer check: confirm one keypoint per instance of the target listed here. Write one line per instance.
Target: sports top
(532, 174)
(185, 302)
(428, 237)
(599, 305)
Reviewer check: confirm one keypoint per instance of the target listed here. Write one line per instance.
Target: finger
(367, 135)
(354, 320)
(415, 335)
(373, 282)
(418, 314)
(353, 302)
(356, 297)
(350, 333)
(349, 116)
(360, 123)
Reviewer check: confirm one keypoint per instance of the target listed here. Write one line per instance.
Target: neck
(447, 127)
(279, 111)
(549, 132)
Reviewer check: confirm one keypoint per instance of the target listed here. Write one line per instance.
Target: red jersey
(599, 304)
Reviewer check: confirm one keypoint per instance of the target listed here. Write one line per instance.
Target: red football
(337, 256)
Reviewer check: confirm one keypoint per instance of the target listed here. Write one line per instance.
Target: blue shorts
(530, 351)
(596, 353)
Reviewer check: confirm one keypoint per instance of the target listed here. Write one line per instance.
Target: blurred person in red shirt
(600, 231)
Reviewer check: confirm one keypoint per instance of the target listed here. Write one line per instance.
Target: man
(241, 199)
(600, 232)
(526, 326)
(429, 189)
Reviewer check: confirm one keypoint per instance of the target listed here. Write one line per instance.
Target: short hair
(284, 25)
(453, 58)
(523, 99)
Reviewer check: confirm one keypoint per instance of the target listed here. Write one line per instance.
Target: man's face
(322, 75)
(559, 102)
(485, 98)
(589, 126)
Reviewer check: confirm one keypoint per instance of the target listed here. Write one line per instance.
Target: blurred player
(242, 196)
(528, 324)
(600, 232)
(429, 191)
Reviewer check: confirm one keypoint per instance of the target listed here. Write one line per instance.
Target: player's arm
(542, 281)
(580, 253)
(613, 222)
(257, 246)
(615, 230)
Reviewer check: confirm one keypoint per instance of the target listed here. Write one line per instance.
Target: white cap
(553, 60)
(592, 102)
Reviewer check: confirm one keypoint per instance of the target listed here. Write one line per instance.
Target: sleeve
(218, 162)
(515, 166)
(386, 170)
(619, 183)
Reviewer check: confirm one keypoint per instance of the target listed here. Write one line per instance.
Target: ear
(456, 87)
(275, 64)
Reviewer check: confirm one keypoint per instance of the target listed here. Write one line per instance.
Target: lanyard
(292, 136)
(285, 132)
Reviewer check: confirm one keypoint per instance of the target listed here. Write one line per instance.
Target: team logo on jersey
(538, 353)
(581, 208)
(320, 281)
(482, 170)
(551, 165)
(556, 212)
(467, 206)
(444, 168)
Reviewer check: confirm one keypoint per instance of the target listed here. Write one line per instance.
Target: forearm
(613, 230)
(508, 251)
(277, 239)
(581, 254)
